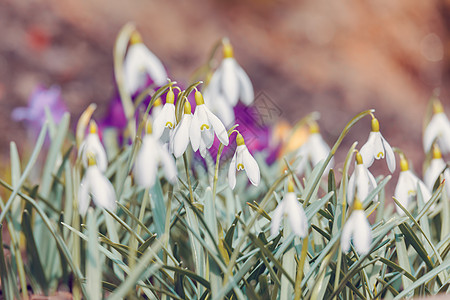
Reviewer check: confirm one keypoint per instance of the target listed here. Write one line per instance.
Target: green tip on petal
(199, 98)
(375, 125)
(240, 140)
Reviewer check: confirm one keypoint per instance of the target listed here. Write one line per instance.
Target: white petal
(378, 147)
(447, 181)
(296, 215)
(432, 131)
(437, 165)
(367, 151)
(181, 135)
(194, 131)
(402, 190)
(319, 149)
(93, 145)
(170, 169)
(232, 172)
(223, 110)
(219, 128)
(133, 75)
(351, 189)
(146, 164)
(390, 156)
(346, 235)
(203, 149)
(152, 64)
(83, 197)
(208, 137)
(229, 80)
(245, 85)
(362, 182)
(166, 116)
(102, 190)
(250, 166)
(372, 184)
(276, 218)
(426, 194)
(362, 234)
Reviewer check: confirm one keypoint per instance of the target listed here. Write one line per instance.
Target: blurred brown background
(336, 57)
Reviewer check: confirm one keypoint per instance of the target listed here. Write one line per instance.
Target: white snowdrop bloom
(220, 107)
(362, 182)
(157, 108)
(377, 147)
(180, 140)
(140, 62)
(357, 231)
(97, 187)
(92, 144)
(149, 157)
(315, 149)
(243, 160)
(406, 188)
(437, 129)
(294, 210)
(165, 121)
(203, 126)
(230, 81)
(434, 170)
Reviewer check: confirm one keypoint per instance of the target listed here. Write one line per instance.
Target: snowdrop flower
(230, 82)
(357, 230)
(92, 144)
(294, 210)
(181, 136)
(165, 120)
(361, 182)
(140, 62)
(243, 160)
(436, 167)
(95, 186)
(220, 107)
(149, 157)
(157, 108)
(406, 187)
(437, 129)
(314, 149)
(203, 126)
(377, 147)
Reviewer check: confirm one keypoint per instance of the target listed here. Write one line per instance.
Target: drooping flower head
(407, 186)
(315, 150)
(361, 183)
(95, 186)
(436, 167)
(139, 63)
(243, 160)
(203, 126)
(181, 136)
(92, 145)
(438, 129)
(357, 231)
(165, 120)
(34, 114)
(150, 156)
(377, 147)
(291, 208)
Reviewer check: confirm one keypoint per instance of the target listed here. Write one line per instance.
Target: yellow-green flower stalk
(243, 160)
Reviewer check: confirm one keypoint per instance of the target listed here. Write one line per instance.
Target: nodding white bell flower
(294, 210)
(230, 81)
(357, 230)
(315, 149)
(157, 108)
(92, 144)
(243, 160)
(437, 129)
(140, 62)
(203, 126)
(149, 157)
(165, 121)
(361, 182)
(97, 187)
(377, 147)
(180, 140)
(434, 170)
(406, 188)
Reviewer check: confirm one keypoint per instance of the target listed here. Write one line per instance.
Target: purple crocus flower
(34, 114)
